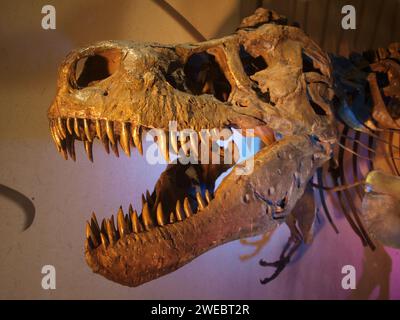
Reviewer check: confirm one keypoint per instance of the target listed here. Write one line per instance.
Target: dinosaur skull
(268, 77)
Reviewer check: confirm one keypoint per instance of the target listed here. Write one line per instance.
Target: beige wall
(65, 193)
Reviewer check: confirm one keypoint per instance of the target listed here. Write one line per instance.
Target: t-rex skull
(266, 76)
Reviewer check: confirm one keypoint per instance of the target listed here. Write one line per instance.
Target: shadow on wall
(377, 22)
(377, 266)
(291, 252)
(22, 201)
(232, 21)
(176, 15)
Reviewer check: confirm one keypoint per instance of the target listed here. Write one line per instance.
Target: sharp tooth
(187, 208)
(145, 200)
(70, 126)
(146, 217)
(136, 225)
(194, 144)
(173, 140)
(60, 143)
(162, 141)
(180, 215)
(130, 210)
(57, 133)
(110, 232)
(113, 225)
(205, 137)
(103, 226)
(104, 241)
(88, 245)
(114, 148)
(95, 229)
(99, 133)
(128, 222)
(208, 196)
(105, 143)
(137, 138)
(64, 151)
(61, 127)
(76, 128)
(124, 139)
(90, 235)
(110, 131)
(149, 199)
(94, 221)
(184, 145)
(200, 201)
(86, 125)
(214, 133)
(55, 137)
(122, 227)
(88, 149)
(88, 231)
(160, 215)
(172, 218)
(70, 144)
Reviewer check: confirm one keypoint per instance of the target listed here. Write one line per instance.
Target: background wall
(64, 193)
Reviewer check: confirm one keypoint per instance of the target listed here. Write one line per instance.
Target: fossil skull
(267, 76)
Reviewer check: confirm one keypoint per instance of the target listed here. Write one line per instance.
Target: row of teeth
(108, 233)
(65, 131)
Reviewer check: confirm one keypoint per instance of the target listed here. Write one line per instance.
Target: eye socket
(96, 67)
(250, 64)
(205, 76)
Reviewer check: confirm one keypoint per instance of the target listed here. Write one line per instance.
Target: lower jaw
(139, 258)
(242, 207)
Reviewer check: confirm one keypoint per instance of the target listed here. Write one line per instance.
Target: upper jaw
(135, 88)
(137, 92)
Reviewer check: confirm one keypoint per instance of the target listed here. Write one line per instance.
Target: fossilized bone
(267, 76)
